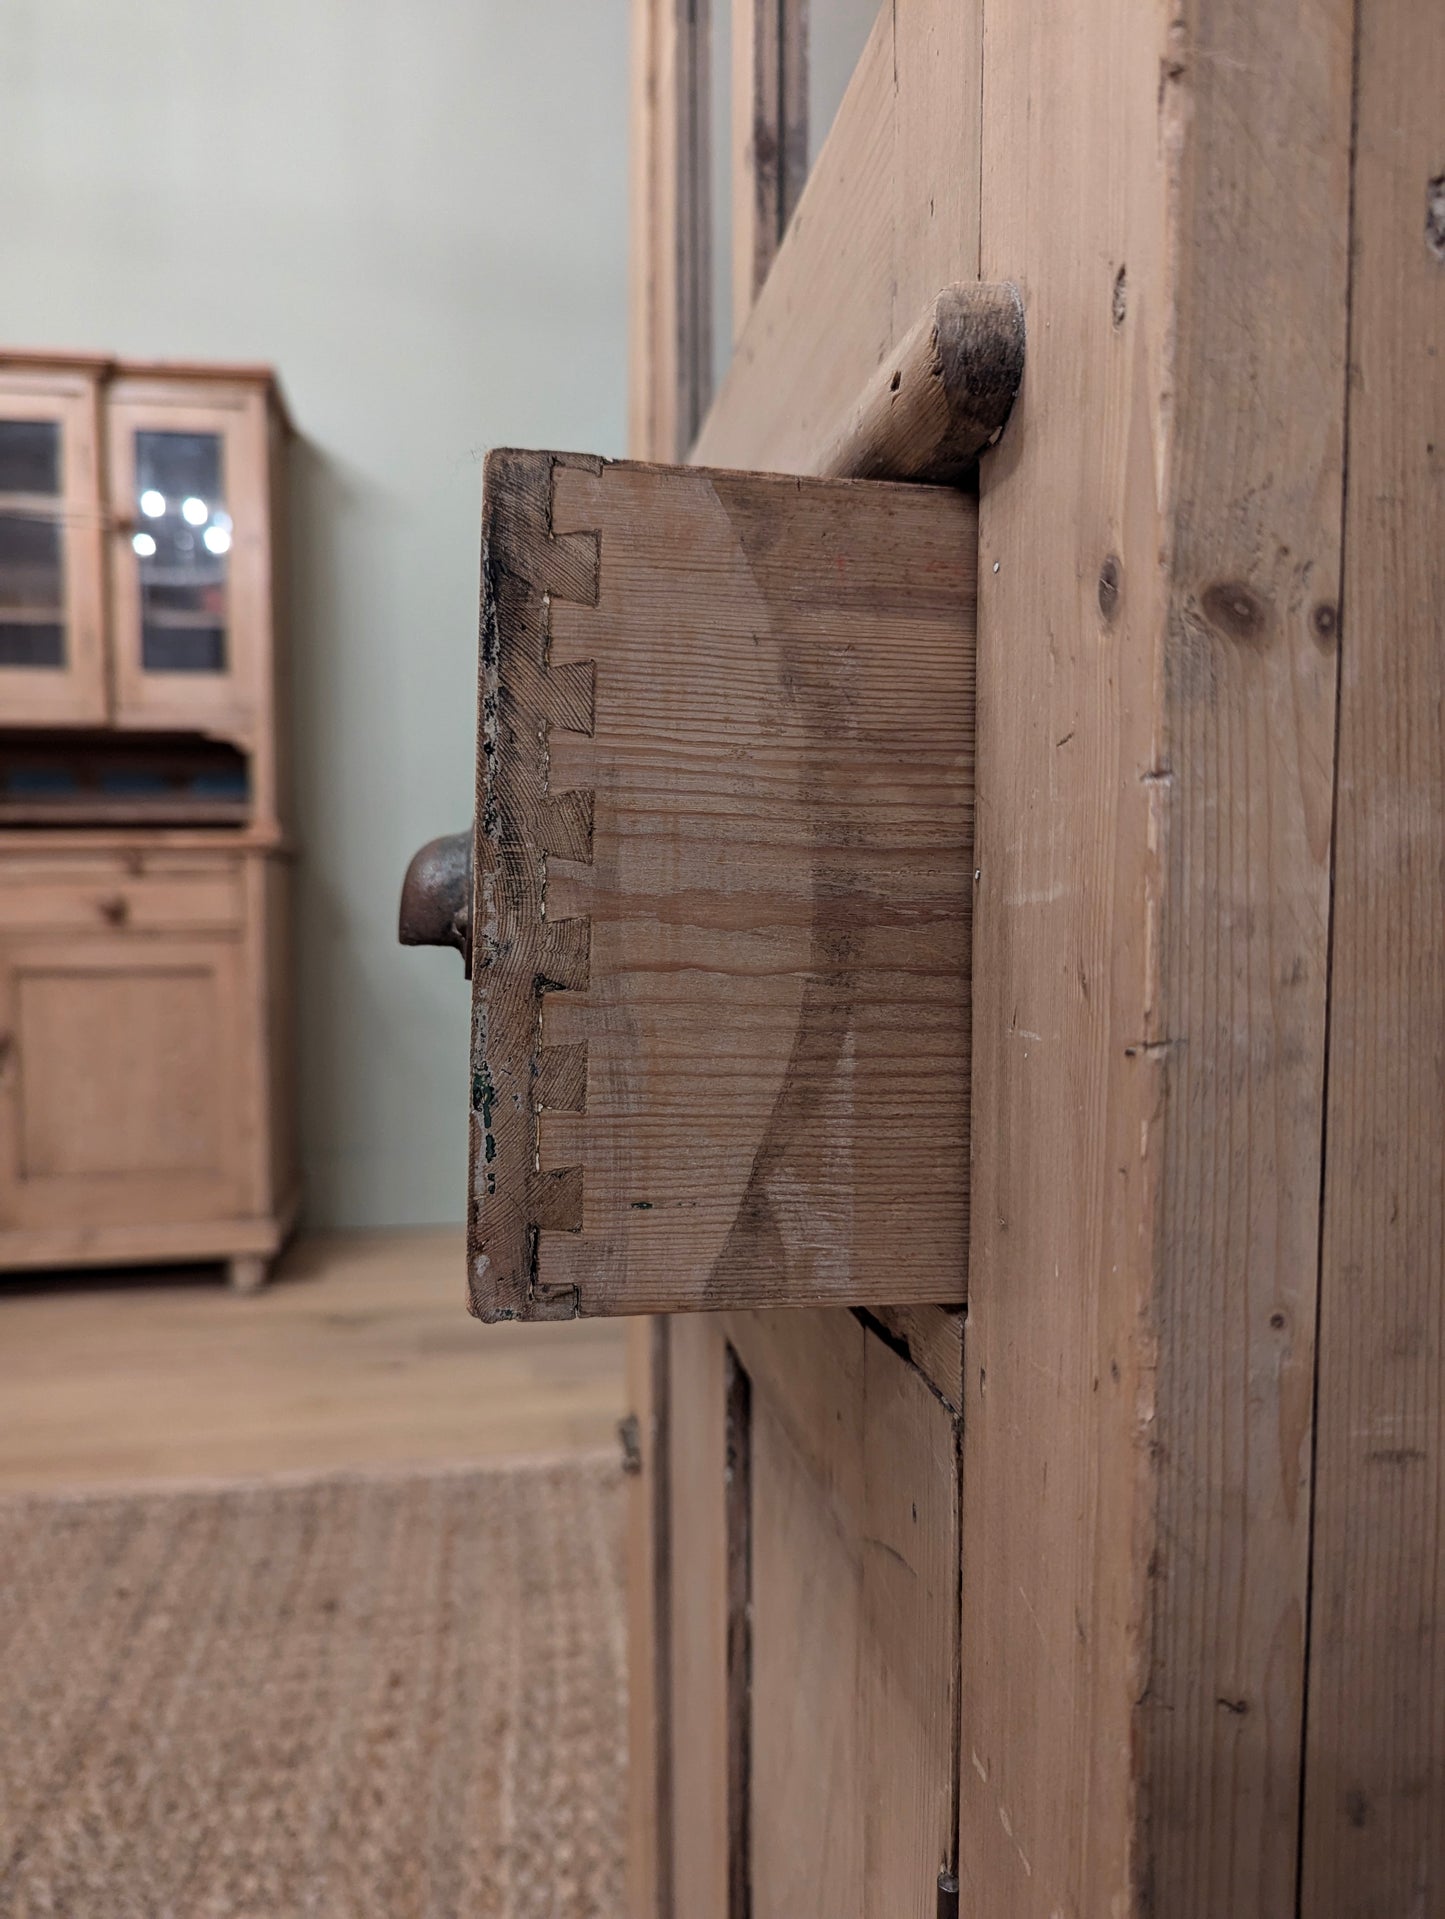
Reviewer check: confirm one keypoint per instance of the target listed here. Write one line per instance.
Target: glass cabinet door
(183, 569)
(51, 653)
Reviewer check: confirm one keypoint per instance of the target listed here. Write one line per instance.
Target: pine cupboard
(1038, 1434)
(146, 1106)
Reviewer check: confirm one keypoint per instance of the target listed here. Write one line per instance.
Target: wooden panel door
(52, 641)
(813, 1624)
(190, 559)
(120, 1081)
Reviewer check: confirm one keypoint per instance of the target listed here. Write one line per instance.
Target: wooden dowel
(941, 397)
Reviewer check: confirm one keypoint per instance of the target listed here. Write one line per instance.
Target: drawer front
(723, 870)
(144, 893)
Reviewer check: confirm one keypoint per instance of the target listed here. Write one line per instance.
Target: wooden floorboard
(360, 1353)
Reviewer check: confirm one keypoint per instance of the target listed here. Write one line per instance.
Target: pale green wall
(416, 210)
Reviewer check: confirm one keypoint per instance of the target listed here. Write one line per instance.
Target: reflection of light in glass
(221, 518)
(152, 504)
(196, 511)
(143, 544)
(217, 539)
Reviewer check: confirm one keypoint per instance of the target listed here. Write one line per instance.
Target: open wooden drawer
(719, 908)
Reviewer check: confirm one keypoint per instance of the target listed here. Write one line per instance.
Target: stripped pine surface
(1374, 1835)
(721, 993)
(697, 1863)
(853, 1467)
(1159, 559)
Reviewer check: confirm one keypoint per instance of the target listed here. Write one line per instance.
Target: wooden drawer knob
(436, 896)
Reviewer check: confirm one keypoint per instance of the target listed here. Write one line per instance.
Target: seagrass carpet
(397, 1695)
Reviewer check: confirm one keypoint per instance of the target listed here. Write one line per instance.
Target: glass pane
(838, 31)
(30, 456)
(182, 539)
(31, 643)
(32, 591)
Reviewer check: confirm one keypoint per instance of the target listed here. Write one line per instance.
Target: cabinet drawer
(722, 871)
(113, 894)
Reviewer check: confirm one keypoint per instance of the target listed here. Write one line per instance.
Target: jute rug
(395, 1696)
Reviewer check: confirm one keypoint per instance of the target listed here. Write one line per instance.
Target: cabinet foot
(248, 1272)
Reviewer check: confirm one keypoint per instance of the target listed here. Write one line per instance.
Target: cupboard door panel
(119, 1082)
(700, 1731)
(155, 1028)
(807, 1803)
(52, 667)
(724, 867)
(191, 561)
(814, 1622)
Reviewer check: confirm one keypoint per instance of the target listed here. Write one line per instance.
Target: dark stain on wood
(1325, 624)
(1109, 585)
(519, 953)
(738, 1506)
(1235, 609)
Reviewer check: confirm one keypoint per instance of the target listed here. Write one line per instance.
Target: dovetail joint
(521, 825)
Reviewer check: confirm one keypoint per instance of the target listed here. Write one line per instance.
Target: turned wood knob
(436, 896)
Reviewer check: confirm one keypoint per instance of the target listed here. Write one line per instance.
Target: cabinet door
(119, 1080)
(724, 873)
(51, 543)
(811, 1599)
(189, 566)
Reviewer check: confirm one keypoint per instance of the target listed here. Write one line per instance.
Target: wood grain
(1158, 531)
(522, 818)
(146, 1104)
(929, 1338)
(1374, 1834)
(774, 1012)
(1255, 496)
(649, 1622)
(698, 1545)
(116, 1102)
(809, 1782)
(941, 396)
(892, 217)
(854, 1622)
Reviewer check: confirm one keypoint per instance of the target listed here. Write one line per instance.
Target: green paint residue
(483, 1095)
